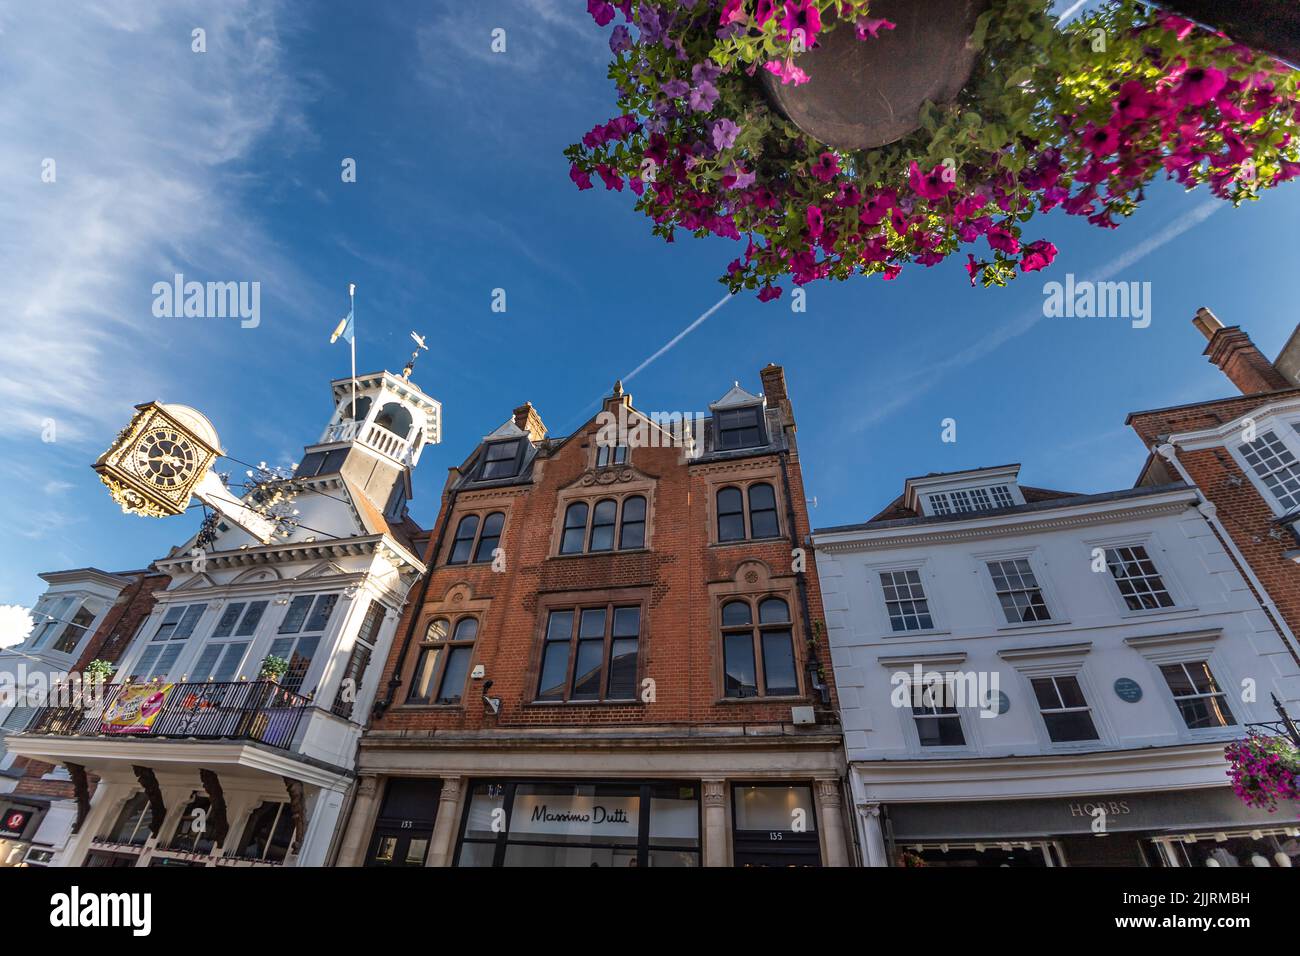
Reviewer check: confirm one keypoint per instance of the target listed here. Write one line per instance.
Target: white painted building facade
(275, 759)
(1112, 648)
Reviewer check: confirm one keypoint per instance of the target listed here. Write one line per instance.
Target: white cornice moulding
(927, 661)
(1003, 525)
(378, 544)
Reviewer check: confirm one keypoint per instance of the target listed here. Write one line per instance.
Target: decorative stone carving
(218, 825)
(715, 793)
(298, 808)
(828, 793)
(157, 809)
(81, 788)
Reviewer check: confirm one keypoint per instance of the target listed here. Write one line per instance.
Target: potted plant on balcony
(273, 668)
(99, 671)
(711, 135)
(1264, 770)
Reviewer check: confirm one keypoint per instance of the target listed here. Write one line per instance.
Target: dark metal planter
(869, 93)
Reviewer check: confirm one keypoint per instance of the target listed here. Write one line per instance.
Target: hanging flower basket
(716, 136)
(1264, 770)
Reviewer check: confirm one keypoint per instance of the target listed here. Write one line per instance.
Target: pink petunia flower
(932, 185)
(814, 215)
(1037, 255)
(1198, 85)
(826, 167)
(867, 28)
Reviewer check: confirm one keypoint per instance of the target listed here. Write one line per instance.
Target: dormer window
(739, 428)
(501, 459)
(965, 500)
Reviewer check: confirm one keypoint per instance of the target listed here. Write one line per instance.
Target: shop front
(19, 821)
(559, 823)
(1201, 827)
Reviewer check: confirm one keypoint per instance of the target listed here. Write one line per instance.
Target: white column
(715, 823)
(323, 821)
(830, 819)
(873, 837)
(442, 844)
(361, 821)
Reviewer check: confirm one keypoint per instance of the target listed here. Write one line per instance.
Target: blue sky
(226, 166)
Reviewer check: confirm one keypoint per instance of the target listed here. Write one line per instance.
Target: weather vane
(410, 365)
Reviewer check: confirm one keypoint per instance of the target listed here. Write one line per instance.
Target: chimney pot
(1207, 322)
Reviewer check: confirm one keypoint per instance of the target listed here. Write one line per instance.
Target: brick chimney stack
(527, 419)
(1232, 351)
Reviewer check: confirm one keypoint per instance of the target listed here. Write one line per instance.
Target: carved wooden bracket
(157, 809)
(297, 806)
(218, 824)
(81, 788)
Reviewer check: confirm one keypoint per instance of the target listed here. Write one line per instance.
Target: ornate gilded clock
(155, 463)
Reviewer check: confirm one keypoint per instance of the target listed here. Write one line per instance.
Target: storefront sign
(1128, 690)
(1157, 811)
(576, 815)
(135, 709)
(14, 821)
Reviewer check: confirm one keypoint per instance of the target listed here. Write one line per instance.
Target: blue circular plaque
(1128, 690)
(1004, 702)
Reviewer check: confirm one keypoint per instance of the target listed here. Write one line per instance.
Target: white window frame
(1055, 609)
(880, 609)
(1190, 647)
(1164, 562)
(947, 665)
(1287, 430)
(1062, 660)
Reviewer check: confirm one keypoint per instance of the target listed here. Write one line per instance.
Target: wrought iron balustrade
(261, 710)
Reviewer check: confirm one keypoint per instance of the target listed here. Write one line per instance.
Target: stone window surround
(742, 475)
(627, 483)
(763, 585)
(458, 602)
(642, 596)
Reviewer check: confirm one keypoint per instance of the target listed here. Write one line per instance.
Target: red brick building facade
(617, 657)
(1243, 454)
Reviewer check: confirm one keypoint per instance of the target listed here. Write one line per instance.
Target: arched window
(442, 667)
(575, 528)
(631, 532)
(758, 660)
(602, 525)
(362, 410)
(490, 537)
(740, 676)
(395, 418)
(731, 515)
(762, 512)
(463, 544)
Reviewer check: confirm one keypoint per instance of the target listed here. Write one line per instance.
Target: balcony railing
(262, 711)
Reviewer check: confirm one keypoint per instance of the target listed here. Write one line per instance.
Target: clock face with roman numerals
(165, 458)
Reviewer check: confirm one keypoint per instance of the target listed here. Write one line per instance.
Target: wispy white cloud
(146, 137)
(927, 375)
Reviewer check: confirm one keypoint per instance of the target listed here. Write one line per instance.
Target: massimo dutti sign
(1178, 810)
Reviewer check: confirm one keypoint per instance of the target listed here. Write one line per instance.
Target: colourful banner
(135, 708)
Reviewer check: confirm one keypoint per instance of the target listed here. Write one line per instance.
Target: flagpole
(352, 311)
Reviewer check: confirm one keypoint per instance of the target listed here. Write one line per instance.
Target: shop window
(443, 663)
(404, 826)
(590, 654)
(132, 823)
(758, 658)
(1197, 695)
(268, 833)
(585, 824)
(1065, 711)
(191, 829)
(774, 825)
